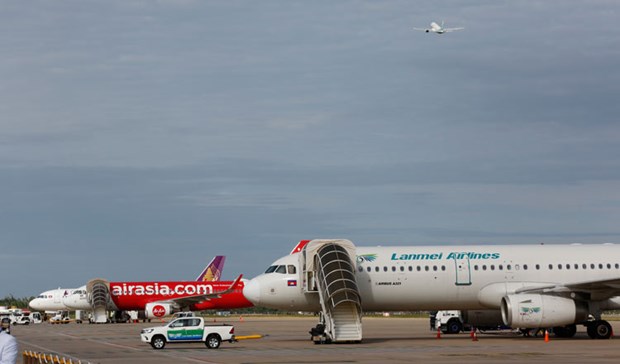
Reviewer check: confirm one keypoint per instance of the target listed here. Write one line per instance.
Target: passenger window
(576, 266)
(567, 266)
(368, 269)
(500, 267)
(393, 269)
(492, 266)
(435, 268)
(281, 269)
(550, 266)
(411, 268)
(617, 266)
(402, 268)
(608, 266)
(292, 269)
(443, 267)
(476, 267)
(484, 267)
(418, 268)
(584, 266)
(537, 266)
(559, 266)
(361, 269)
(600, 266)
(384, 268)
(376, 269)
(592, 266)
(426, 268)
(524, 267)
(509, 267)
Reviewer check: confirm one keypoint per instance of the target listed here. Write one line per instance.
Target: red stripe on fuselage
(135, 295)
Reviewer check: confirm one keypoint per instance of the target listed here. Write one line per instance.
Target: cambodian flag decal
(292, 283)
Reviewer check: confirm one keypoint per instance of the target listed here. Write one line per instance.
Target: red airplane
(159, 299)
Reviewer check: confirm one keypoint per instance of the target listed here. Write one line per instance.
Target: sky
(138, 138)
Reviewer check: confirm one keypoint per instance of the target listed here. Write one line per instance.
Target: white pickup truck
(188, 329)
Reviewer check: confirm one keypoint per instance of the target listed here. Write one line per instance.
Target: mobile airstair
(99, 297)
(330, 271)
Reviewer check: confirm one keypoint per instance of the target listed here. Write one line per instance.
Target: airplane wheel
(601, 329)
(565, 331)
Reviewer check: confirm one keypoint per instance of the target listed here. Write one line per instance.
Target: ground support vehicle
(188, 329)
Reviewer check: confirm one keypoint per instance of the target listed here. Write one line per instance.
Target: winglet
(232, 287)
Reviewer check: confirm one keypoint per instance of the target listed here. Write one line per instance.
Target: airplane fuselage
(136, 295)
(450, 277)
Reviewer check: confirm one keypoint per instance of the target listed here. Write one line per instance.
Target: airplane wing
(452, 29)
(190, 300)
(596, 289)
(421, 29)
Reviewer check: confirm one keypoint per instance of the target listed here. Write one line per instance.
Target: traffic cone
(474, 335)
(240, 318)
(438, 333)
(546, 336)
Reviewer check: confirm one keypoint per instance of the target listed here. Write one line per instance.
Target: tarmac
(286, 340)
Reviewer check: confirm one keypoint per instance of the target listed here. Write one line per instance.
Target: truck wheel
(213, 341)
(454, 327)
(158, 342)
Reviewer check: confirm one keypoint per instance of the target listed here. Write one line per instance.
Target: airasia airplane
(159, 299)
(78, 299)
(522, 286)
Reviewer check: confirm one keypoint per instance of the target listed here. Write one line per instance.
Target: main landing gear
(599, 329)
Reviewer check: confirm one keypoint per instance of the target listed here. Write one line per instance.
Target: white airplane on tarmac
(522, 286)
(52, 301)
(439, 29)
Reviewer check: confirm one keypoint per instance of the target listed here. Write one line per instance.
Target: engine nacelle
(157, 310)
(536, 310)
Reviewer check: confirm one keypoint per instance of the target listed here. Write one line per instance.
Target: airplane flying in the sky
(439, 29)
(522, 286)
(70, 299)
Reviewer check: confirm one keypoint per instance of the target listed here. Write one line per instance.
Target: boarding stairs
(99, 296)
(332, 273)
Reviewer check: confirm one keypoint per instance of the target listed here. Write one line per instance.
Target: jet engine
(537, 310)
(157, 310)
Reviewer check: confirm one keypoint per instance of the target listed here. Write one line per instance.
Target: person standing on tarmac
(8, 346)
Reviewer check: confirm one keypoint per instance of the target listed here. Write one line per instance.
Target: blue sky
(140, 138)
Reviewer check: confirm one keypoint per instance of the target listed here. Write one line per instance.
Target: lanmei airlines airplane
(522, 286)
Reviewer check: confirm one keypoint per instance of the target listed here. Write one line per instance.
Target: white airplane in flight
(439, 29)
(522, 286)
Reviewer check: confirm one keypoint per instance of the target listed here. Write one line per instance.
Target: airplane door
(463, 272)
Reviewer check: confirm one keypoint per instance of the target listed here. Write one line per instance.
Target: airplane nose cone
(251, 291)
(34, 304)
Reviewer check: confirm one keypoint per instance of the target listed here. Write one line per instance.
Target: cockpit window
(291, 269)
(281, 269)
(271, 269)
